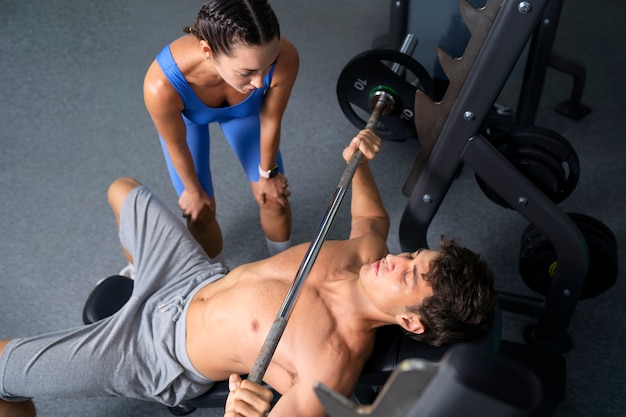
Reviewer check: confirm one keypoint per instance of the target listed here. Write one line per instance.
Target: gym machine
(519, 166)
(469, 381)
(540, 55)
(458, 126)
(449, 132)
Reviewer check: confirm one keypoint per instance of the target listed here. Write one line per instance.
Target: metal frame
(541, 57)
(458, 142)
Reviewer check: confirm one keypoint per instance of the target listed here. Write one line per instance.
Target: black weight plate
(555, 144)
(542, 169)
(529, 233)
(593, 225)
(538, 260)
(371, 69)
(538, 145)
(590, 225)
(538, 166)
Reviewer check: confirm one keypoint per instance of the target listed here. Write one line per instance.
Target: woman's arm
(165, 106)
(274, 105)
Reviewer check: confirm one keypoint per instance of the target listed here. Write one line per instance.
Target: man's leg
(15, 409)
(116, 195)
(206, 230)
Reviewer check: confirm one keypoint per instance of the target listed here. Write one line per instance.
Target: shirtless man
(188, 324)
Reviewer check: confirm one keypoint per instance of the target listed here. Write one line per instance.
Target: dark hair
(463, 301)
(226, 23)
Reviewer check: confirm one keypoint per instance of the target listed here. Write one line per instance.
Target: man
(187, 324)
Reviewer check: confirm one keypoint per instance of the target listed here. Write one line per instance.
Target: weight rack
(449, 136)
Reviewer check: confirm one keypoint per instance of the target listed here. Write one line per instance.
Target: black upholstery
(495, 377)
(392, 346)
(109, 295)
(468, 381)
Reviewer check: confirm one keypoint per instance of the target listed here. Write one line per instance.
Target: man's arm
(368, 213)
(331, 363)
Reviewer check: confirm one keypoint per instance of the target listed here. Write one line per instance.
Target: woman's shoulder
(288, 62)
(287, 46)
(289, 52)
(156, 86)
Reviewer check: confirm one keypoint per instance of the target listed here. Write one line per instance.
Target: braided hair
(224, 24)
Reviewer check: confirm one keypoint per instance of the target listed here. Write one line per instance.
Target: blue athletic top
(240, 124)
(198, 112)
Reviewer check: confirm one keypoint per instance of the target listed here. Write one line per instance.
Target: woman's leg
(275, 218)
(206, 230)
(243, 138)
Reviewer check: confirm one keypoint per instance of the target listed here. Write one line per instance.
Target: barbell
(377, 83)
(382, 101)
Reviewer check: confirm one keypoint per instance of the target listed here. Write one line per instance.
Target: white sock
(219, 259)
(277, 247)
(128, 271)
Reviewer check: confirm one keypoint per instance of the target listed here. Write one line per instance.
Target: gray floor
(72, 119)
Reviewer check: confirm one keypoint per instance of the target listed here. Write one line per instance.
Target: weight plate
(541, 168)
(538, 166)
(546, 158)
(593, 225)
(532, 237)
(538, 260)
(372, 69)
(560, 148)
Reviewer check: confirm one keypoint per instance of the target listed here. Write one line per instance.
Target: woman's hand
(246, 398)
(274, 189)
(193, 203)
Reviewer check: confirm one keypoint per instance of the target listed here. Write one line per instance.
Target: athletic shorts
(140, 351)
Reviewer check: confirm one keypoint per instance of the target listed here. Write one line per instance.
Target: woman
(233, 68)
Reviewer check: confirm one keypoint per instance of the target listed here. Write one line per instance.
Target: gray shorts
(140, 351)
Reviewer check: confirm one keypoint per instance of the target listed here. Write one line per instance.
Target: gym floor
(72, 119)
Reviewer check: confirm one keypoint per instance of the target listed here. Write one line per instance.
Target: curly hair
(461, 306)
(224, 24)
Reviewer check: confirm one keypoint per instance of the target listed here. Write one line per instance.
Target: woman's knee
(274, 207)
(206, 217)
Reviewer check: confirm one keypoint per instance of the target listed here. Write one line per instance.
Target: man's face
(396, 281)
